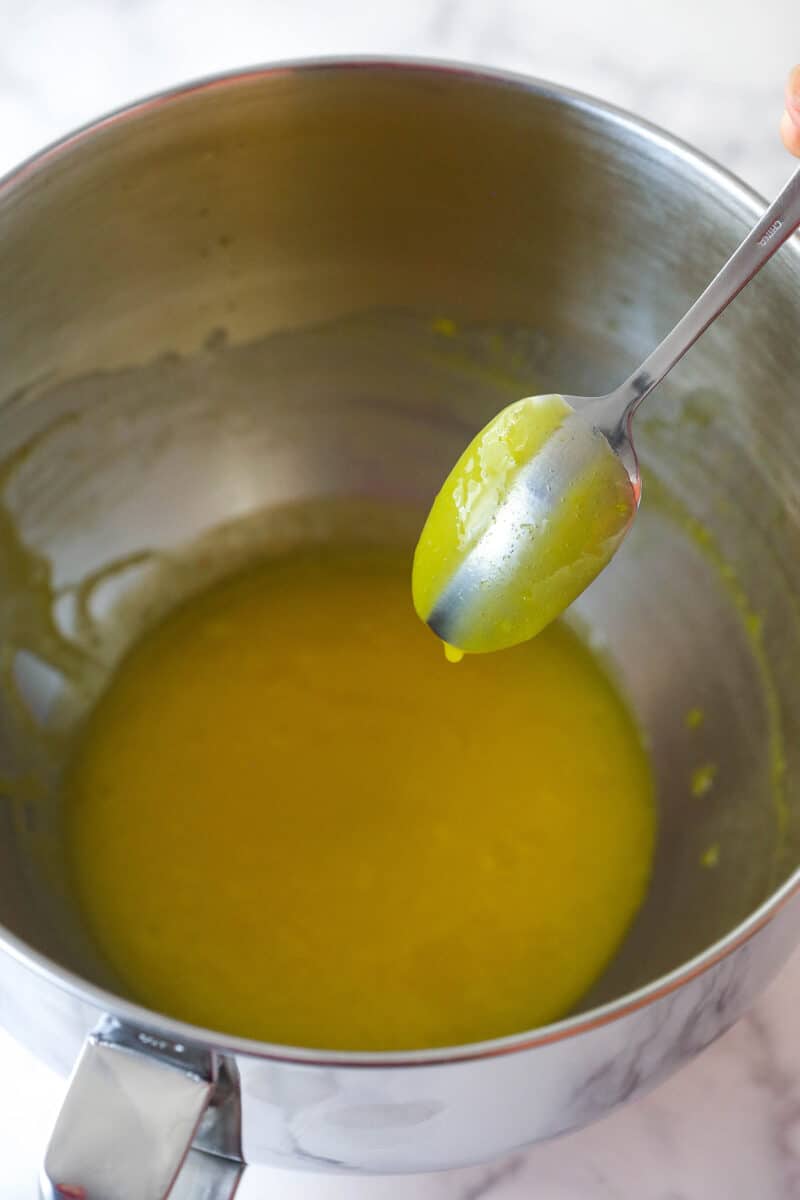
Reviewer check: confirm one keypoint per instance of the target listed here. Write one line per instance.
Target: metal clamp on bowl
(127, 1123)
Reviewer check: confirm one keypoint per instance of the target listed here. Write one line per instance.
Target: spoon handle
(769, 233)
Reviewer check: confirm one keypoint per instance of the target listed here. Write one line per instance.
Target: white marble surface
(712, 71)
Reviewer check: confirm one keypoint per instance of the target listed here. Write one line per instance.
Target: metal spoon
(507, 547)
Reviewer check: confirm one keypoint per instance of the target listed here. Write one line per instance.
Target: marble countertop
(728, 1126)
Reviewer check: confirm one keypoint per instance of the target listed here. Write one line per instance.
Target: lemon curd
(538, 539)
(289, 819)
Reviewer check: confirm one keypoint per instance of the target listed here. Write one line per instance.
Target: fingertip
(790, 132)
(793, 95)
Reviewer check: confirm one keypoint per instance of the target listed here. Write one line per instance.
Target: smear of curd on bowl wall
(288, 819)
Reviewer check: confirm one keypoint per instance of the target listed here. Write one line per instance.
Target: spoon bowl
(542, 502)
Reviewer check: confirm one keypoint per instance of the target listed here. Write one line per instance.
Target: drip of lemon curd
(565, 501)
(287, 820)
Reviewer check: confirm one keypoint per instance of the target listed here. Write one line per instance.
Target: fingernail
(793, 90)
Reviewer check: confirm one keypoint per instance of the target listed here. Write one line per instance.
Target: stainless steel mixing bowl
(260, 309)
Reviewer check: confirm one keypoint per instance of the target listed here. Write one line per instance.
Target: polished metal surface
(113, 1089)
(771, 231)
(269, 309)
(502, 562)
(162, 1094)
